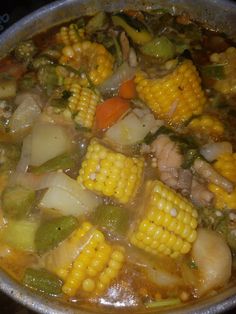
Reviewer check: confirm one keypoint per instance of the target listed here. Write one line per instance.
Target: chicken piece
(200, 195)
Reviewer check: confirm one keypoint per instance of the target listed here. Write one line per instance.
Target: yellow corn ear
(93, 57)
(227, 58)
(226, 165)
(207, 125)
(96, 266)
(110, 173)
(175, 97)
(69, 35)
(169, 223)
(223, 200)
(82, 103)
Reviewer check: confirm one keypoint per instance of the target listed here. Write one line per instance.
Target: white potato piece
(132, 129)
(48, 141)
(26, 113)
(213, 259)
(67, 195)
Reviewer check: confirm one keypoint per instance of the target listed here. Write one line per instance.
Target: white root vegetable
(28, 110)
(213, 259)
(164, 279)
(48, 141)
(132, 129)
(63, 191)
(207, 172)
(213, 150)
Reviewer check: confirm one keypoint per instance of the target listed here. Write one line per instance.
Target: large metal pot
(215, 14)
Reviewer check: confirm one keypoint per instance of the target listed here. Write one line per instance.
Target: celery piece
(43, 281)
(164, 302)
(159, 47)
(113, 218)
(52, 232)
(17, 201)
(20, 234)
(63, 162)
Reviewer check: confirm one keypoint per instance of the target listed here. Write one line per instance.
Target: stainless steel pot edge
(214, 15)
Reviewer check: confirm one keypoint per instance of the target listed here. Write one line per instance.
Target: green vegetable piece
(47, 77)
(51, 233)
(112, 218)
(28, 81)
(10, 154)
(25, 51)
(7, 88)
(189, 157)
(42, 281)
(20, 234)
(215, 71)
(162, 303)
(96, 23)
(17, 201)
(136, 30)
(63, 162)
(159, 47)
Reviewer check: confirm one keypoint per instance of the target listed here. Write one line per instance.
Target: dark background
(10, 12)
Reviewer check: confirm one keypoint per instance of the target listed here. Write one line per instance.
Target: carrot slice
(127, 89)
(108, 112)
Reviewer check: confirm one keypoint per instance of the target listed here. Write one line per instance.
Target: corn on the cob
(174, 97)
(228, 60)
(223, 200)
(97, 264)
(226, 165)
(91, 56)
(82, 104)
(69, 35)
(207, 125)
(169, 222)
(110, 173)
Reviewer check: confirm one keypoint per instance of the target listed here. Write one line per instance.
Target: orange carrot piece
(127, 89)
(108, 112)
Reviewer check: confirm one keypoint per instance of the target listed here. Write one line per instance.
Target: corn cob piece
(175, 97)
(223, 200)
(91, 56)
(82, 104)
(226, 165)
(207, 125)
(168, 226)
(228, 60)
(96, 266)
(110, 173)
(70, 35)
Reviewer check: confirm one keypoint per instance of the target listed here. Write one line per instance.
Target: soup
(117, 161)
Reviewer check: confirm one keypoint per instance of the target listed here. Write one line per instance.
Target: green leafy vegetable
(150, 137)
(51, 233)
(17, 201)
(42, 281)
(9, 156)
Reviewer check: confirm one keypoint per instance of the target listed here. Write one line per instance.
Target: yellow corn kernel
(69, 35)
(98, 263)
(175, 97)
(82, 103)
(226, 165)
(169, 223)
(228, 60)
(93, 57)
(110, 173)
(223, 200)
(207, 125)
